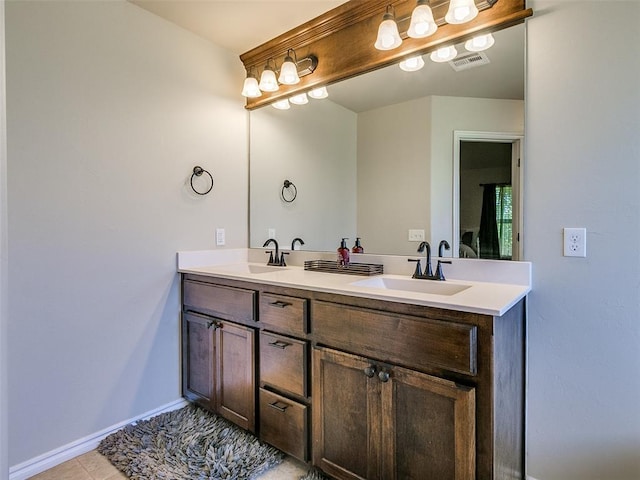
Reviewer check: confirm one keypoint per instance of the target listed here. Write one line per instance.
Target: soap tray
(331, 266)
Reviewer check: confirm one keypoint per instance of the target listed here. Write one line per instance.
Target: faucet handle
(270, 252)
(282, 262)
(439, 273)
(418, 271)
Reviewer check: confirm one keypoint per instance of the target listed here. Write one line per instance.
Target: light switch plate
(220, 240)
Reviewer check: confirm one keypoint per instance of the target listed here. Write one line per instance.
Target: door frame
(517, 180)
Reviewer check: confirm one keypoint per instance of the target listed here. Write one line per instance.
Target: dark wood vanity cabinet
(362, 388)
(378, 421)
(218, 356)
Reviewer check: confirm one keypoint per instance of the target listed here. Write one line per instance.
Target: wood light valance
(342, 39)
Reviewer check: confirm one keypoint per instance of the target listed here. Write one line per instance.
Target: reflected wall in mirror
(375, 159)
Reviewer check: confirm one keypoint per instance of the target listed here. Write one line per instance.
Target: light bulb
(289, 72)
(480, 43)
(388, 35)
(319, 93)
(300, 99)
(268, 82)
(250, 88)
(422, 23)
(281, 104)
(444, 54)
(461, 11)
(412, 64)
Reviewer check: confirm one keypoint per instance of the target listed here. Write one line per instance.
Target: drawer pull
(280, 304)
(280, 406)
(280, 344)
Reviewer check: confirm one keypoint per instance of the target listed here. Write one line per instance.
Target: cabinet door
(235, 379)
(346, 412)
(198, 359)
(428, 427)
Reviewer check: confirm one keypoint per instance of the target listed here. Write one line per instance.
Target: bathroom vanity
(363, 382)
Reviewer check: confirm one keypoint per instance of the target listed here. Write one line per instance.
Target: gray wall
(4, 461)
(583, 169)
(108, 110)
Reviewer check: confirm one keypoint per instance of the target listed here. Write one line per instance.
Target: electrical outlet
(271, 233)
(220, 236)
(416, 235)
(575, 242)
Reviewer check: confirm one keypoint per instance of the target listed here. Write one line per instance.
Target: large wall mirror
(392, 153)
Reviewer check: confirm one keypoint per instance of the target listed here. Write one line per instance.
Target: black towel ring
(198, 171)
(287, 186)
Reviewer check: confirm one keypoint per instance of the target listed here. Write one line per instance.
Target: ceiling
(240, 25)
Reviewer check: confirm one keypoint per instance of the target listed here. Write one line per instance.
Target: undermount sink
(250, 268)
(432, 287)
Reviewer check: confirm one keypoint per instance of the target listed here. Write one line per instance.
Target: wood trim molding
(342, 40)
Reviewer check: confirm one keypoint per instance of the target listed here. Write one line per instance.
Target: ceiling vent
(469, 60)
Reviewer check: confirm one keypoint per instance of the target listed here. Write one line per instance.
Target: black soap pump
(357, 248)
(343, 253)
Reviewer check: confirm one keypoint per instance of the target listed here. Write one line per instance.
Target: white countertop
(484, 297)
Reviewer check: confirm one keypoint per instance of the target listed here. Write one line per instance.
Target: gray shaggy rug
(188, 444)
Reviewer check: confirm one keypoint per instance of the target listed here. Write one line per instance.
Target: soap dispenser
(343, 254)
(357, 248)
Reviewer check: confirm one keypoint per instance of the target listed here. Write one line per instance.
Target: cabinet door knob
(370, 371)
(383, 376)
(280, 406)
(213, 324)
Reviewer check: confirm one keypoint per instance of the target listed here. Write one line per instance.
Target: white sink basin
(250, 268)
(432, 287)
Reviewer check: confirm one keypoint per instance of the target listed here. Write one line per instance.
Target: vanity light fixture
(319, 93)
(251, 88)
(268, 82)
(422, 23)
(300, 99)
(461, 11)
(289, 69)
(412, 64)
(480, 43)
(388, 35)
(444, 54)
(281, 104)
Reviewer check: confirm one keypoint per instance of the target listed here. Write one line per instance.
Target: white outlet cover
(575, 242)
(416, 235)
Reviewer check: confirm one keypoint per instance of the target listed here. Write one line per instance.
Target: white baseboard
(60, 455)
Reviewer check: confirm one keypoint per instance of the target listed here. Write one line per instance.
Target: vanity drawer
(284, 424)
(229, 303)
(402, 339)
(286, 314)
(283, 363)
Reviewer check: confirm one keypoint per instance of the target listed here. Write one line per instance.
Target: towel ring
(287, 186)
(198, 171)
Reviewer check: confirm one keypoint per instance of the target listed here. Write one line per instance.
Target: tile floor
(93, 466)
